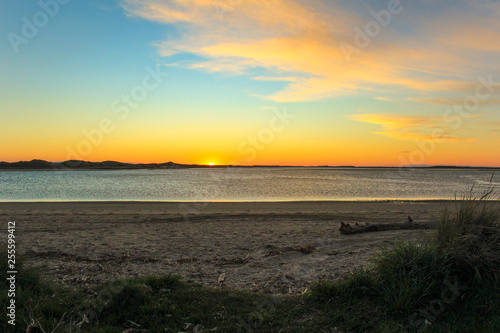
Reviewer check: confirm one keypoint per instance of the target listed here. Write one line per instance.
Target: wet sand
(274, 247)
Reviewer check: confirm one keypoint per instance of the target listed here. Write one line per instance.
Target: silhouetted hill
(34, 164)
(84, 165)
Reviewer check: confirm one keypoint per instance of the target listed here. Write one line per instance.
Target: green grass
(450, 284)
(409, 276)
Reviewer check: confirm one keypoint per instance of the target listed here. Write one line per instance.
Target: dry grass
(471, 234)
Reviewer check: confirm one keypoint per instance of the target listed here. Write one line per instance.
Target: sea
(245, 184)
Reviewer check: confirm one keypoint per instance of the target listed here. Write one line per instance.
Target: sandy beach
(273, 247)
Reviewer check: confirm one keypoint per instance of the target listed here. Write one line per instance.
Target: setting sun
(211, 164)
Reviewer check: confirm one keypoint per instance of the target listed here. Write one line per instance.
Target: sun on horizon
(323, 82)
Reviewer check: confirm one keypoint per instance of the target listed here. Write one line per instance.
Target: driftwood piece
(347, 229)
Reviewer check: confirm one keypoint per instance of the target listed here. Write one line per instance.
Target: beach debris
(307, 249)
(102, 268)
(34, 327)
(187, 260)
(89, 290)
(347, 229)
(85, 320)
(133, 323)
(198, 328)
(274, 250)
(222, 278)
(238, 261)
(195, 329)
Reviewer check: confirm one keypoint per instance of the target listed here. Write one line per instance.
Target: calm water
(261, 184)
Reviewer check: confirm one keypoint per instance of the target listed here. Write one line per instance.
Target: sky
(251, 82)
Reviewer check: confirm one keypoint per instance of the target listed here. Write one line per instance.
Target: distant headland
(85, 165)
(37, 164)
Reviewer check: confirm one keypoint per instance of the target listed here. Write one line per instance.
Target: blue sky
(231, 64)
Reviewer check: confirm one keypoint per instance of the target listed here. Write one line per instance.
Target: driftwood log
(347, 229)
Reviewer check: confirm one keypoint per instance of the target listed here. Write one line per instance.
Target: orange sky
(249, 82)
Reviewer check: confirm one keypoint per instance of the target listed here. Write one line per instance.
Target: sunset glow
(278, 82)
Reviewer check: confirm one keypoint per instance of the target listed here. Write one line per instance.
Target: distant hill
(83, 165)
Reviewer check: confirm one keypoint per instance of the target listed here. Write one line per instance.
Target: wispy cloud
(385, 99)
(451, 101)
(286, 37)
(268, 78)
(406, 128)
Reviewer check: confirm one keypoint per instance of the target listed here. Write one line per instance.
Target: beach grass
(470, 233)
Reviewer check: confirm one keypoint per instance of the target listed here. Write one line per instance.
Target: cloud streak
(298, 42)
(407, 128)
(451, 102)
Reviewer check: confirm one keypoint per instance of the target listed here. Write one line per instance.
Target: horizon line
(254, 165)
